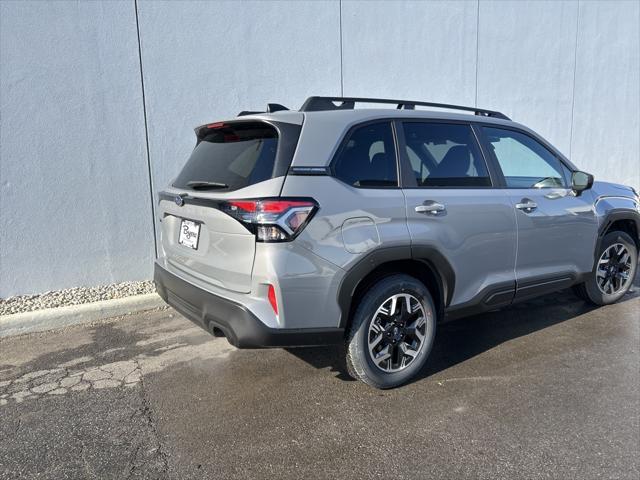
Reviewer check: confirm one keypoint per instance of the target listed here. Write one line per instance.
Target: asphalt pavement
(545, 389)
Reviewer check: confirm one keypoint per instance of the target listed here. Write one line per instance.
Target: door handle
(526, 205)
(430, 207)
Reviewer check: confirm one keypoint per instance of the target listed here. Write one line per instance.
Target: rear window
(445, 155)
(230, 156)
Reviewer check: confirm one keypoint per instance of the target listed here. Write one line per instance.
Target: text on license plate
(189, 234)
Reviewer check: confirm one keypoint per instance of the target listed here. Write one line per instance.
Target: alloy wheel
(614, 269)
(397, 332)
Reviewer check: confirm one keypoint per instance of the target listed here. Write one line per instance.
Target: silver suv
(369, 226)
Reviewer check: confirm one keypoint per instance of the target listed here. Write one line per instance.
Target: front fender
(611, 208)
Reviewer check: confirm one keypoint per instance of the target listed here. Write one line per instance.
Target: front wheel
(392, 332)
(614, 271)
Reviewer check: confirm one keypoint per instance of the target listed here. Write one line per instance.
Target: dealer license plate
(189, 234)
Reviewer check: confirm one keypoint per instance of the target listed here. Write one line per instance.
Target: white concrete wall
(606, 97)
(421, 50)
(74, 188)
(75, 203)
(210, 60)
(526, 62)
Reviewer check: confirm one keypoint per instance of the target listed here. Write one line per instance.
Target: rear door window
(368, 158)
(229, 156)
(444, 155)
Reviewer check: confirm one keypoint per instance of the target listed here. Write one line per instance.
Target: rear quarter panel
(351, 212)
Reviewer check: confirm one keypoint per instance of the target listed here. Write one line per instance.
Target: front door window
(525, 163)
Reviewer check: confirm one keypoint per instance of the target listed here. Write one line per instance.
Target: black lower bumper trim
(241, 327)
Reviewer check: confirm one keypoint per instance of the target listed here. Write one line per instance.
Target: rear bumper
(241, 327)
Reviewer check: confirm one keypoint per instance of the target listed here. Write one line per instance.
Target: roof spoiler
(271, 107)
(316, 104)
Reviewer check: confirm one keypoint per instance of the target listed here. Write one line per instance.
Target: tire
(592, 289)
(405, 332)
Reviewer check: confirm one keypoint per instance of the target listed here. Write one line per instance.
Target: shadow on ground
(459, 340)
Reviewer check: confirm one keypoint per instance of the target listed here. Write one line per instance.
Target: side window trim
(497, 177)
(494, 159)
(345, 140)
(407, 177)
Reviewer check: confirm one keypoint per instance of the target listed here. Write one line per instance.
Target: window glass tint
(445, 155)
(525, 163)
(368, 158)
(231, 156)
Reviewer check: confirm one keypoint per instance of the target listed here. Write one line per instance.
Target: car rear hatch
(241, 159)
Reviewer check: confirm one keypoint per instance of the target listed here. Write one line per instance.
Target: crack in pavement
(147, 413)
(48, 379)
(153, 353)
(60, 381)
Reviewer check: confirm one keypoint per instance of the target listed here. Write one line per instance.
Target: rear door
(557, 230)
(232, 160)
(454, 207)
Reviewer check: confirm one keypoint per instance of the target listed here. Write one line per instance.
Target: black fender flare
(431, 257)
(614, 215)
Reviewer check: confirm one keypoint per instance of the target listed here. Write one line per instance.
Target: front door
(454, 208)
(557, 230)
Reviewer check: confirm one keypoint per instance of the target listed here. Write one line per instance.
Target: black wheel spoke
(395, 356)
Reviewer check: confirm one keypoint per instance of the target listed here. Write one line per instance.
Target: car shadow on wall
(459, 340)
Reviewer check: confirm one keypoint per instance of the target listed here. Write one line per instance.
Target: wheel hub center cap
(397, 334)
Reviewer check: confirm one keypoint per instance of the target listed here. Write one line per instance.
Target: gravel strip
(73, 296)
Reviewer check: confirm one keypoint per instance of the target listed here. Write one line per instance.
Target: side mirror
(581, 181)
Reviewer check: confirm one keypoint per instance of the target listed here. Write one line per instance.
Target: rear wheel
(614, 272)
(392, 332)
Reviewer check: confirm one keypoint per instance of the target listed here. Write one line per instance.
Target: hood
(612, 189)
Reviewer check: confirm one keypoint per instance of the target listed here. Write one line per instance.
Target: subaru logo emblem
(179, 200)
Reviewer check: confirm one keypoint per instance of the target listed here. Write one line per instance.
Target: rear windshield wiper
(197, 184)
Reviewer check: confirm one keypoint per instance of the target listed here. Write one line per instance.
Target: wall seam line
(477, 46)
(146, 135)
(573, 88)
(341, 61)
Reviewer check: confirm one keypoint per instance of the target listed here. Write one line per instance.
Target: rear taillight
(273, 220)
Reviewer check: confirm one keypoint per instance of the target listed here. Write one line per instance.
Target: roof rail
(316, 104)
(271, 107)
